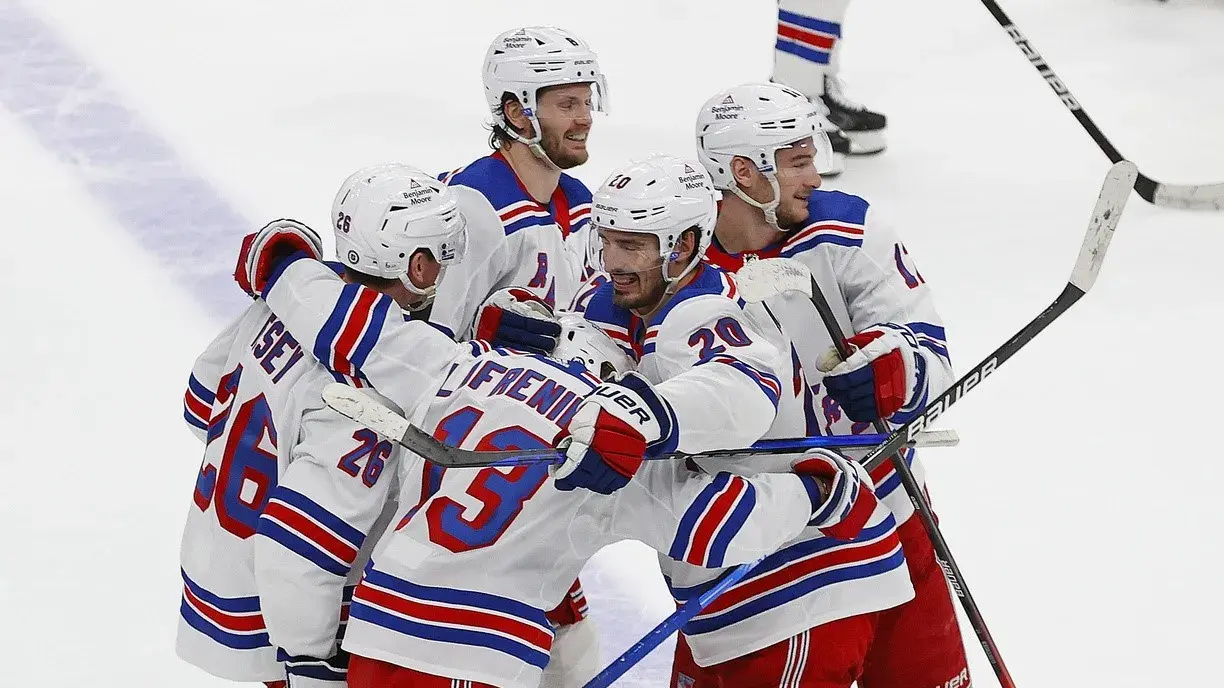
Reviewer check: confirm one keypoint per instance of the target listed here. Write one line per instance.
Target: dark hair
(500, 138)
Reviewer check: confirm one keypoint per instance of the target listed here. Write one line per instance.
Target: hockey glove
(841, 493)
(609, 435)
(518, 319)
(263, 252)
(885, 373)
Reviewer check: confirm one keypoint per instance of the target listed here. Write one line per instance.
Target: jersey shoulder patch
(834, 218)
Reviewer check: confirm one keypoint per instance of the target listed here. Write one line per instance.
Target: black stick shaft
(1144, 186)
(943, 553)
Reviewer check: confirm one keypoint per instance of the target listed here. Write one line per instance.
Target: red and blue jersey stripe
(797, 570)
(197, 403)
(569, 208)
(713, 520)
(351, 331)
(235, 622)
(931, 337)
(304, 527)
(823, 232)
(768, 382)
(807, 37)
(453, 616)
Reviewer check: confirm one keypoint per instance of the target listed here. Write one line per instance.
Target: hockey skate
(841, 144)
(864, 128)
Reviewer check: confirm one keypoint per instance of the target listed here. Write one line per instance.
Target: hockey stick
(1105, 216)
(1188, 196)
(670, 625)
(357, 406)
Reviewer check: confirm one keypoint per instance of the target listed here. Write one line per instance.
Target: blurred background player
(806, 58)
(279, 464)
(542, 85)
(772, 206)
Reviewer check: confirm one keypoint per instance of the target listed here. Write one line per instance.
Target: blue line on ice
(128, 168)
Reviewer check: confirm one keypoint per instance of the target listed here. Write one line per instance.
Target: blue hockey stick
(670, 625)
(354, 404)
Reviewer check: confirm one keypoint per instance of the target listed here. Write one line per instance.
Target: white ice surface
(1080, 504)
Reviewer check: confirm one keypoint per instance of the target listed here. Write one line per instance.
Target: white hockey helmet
(524, 61)
(385, 213)
(583, 341)
(754, 121)
(660, 195)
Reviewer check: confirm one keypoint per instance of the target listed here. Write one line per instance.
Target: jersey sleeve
(719, 374)
(316, 523)
(360, 335)
(882, 284)
(485, 267)
(711, 520)
(206, 377)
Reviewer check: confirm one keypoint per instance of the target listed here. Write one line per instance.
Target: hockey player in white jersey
(806, 58)
(683, 322)
(456, 592)
(760, 156)
(542, 85)
(289, 493)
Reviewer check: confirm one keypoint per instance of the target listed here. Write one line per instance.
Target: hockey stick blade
(1185, 196)
(758, 280)
(371, 413)
(1105, 216)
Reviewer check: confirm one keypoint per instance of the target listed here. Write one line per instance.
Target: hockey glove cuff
(840, 491)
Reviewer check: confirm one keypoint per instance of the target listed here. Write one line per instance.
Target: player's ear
(744, 171)
(422, 268)
(515, 116)
(685, 246)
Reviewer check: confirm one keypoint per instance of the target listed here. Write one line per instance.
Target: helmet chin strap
(427, 294)
(672, 282)
(534, 143)
(771, 208)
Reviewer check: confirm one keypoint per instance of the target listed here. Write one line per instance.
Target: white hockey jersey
(732, 377)
(868, 277)
(539, 247)
(460, 586)
(287, 495)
